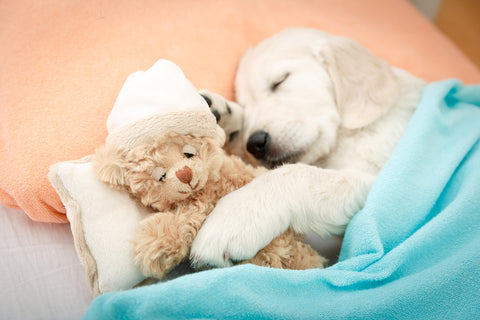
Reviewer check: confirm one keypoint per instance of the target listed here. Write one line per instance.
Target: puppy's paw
(239, 226)
(229, 116)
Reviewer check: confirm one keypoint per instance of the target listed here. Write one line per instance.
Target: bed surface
(41, 276)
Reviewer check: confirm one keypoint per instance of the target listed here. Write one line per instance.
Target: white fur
(337, 115)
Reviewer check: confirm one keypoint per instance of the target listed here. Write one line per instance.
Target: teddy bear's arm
(288, 251)
(163, 240)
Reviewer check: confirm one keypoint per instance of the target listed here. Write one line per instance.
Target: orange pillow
(63, 63)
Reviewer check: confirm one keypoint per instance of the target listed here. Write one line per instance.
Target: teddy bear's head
(170, 169)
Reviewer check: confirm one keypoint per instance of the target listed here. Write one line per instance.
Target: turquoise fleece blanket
(413, 252)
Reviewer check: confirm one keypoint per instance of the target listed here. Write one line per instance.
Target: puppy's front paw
(238, 227)
(229, 116)
(221, 244)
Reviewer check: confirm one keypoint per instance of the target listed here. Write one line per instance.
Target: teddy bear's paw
(229, 116)
(156, 254)
(308, 259)
(155, 262)
(151, 268)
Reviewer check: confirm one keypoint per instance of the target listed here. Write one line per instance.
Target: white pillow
(103, 223)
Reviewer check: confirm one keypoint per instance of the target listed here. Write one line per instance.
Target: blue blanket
(413, 252)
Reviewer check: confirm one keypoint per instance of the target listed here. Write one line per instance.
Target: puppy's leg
(297, 196)
(229, 116)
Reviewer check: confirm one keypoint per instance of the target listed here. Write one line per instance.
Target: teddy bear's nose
(185, 175)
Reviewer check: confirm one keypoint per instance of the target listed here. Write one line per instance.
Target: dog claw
(226, 256)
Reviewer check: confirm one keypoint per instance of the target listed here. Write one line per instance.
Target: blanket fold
(412, 252)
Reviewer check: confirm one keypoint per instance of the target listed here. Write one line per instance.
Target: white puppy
(326, 104)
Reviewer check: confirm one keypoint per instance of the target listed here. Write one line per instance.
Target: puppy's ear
(110, 166)
(364, 86)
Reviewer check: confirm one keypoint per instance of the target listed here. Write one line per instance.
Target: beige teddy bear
(174, 164)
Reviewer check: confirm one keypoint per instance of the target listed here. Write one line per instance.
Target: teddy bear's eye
(189, 151)
(159, 174)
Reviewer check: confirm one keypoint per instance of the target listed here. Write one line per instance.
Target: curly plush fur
(181, 178)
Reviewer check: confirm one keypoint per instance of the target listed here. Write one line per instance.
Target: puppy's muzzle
(258, 144)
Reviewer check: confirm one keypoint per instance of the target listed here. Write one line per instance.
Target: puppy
(326, 114)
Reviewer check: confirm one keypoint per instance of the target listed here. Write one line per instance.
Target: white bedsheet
(40, 274)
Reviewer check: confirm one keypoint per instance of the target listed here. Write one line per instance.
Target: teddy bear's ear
(110, 165)
(216, 157)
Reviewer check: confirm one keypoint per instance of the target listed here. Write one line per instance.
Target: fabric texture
(157, 101)
(63, 64)
(40, 275)
(412, 252)
(149, 92)
(103, 222)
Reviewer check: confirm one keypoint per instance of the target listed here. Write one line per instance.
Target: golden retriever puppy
(327, 114)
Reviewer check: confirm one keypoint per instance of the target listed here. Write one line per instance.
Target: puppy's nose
(258, 144)
(185, 175)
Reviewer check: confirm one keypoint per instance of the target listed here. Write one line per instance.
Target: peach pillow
(63, 63)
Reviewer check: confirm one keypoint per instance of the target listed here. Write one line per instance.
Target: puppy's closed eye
(278, 82)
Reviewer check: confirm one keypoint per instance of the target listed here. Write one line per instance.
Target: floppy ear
(110, 166)
(364, 86)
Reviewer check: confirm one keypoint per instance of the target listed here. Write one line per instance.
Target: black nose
(258, 144)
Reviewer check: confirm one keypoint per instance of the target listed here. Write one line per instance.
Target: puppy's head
(301, 86)
(171, 169)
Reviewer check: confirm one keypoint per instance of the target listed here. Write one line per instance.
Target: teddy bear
(171, 160)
